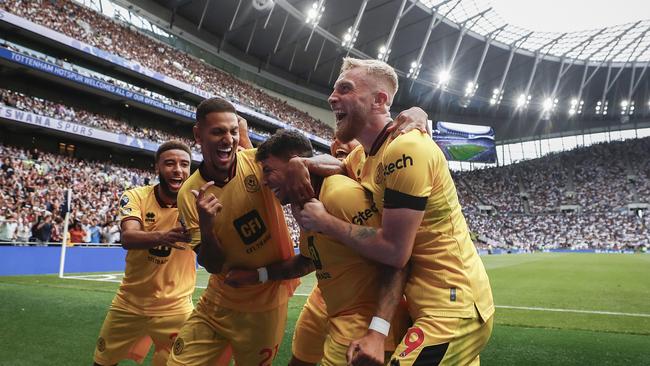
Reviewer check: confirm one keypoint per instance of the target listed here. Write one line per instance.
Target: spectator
(76, 233)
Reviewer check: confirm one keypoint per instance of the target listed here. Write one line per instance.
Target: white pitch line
(574, 311)
(597, 312)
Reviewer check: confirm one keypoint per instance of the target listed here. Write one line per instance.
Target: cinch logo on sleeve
(401, 163)
(250, 227)
(362, 216)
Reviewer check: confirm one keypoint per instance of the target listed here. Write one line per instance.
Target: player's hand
(207, 205)
(242, 277)
(173, 237)
(313, 215)
(367, 351)
(297, 180)
(414, 118)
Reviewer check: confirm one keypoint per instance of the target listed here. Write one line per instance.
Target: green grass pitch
(464, 152)
(552, 309)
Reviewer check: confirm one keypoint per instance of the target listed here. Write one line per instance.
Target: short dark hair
(212, 105)
(172, 145)
(283, 144)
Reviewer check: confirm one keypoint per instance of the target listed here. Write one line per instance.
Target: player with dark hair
(349, 283)
(239, 224)
(155, 296)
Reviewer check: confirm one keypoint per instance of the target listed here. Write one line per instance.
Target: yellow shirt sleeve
(188, 215)
(130, 206)
(408, 164)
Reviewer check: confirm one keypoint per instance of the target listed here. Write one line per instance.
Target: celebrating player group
(399, 279)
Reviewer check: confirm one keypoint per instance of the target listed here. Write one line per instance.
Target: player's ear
(197, 135)
(381, 100)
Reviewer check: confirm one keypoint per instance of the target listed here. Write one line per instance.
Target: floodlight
(443, 77)
(547, 104)
(521, 100)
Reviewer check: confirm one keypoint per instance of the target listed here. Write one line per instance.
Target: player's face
(218, 136)
(173, 169)
(340, 150)
(273, 170)
(351, 101)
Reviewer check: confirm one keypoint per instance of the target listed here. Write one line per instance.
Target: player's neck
(219, 176)
(163, 197)
(372, 131)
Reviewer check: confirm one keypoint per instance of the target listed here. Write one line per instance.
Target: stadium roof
(458, 59)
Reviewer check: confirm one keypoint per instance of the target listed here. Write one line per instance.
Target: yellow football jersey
(157, 281)
(348, 282)
(447, 277)
(251, 230)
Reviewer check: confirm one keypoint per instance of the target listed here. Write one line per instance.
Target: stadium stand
(120, 39)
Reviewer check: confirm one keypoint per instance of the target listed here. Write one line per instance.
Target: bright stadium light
(443, 78)
(547, 104)
(522, 100)
(575, 106)
(383, 53)
(470, 89)
(349, 38)
(314, 14)
(497, 95)
(414, 70)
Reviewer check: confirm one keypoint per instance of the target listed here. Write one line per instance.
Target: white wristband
(379, 325)
(263, 274)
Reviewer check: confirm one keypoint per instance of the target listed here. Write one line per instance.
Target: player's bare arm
(134, 237)
(391, 244)
(369, 350)
(210, 254)
(244, 139)
(294, 267)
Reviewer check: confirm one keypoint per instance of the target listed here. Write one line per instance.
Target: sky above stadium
(569, 15)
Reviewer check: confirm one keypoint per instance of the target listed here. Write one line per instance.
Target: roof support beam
(205, 10)
(234, 17)
(538, 59)
(463, 30)
(638, 39)
(489, 38)
(284, 24)
(355, 26)
(391, 35)
(605, 88)
(513, 47)
(320, 53)
(563, 70)
(250, 38)
(320, 5)
(268, 17)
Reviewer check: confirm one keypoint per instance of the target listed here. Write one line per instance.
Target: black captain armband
(397, 199)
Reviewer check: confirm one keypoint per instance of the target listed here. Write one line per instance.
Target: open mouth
(175, 183)
(224, 153)
(339, 115)
(341, 154)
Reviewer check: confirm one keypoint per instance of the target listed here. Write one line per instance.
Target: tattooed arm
(391, 244)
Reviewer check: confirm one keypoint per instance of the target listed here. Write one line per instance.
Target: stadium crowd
(32, 197)
(66, 113)
(123, 40)
(33, 187)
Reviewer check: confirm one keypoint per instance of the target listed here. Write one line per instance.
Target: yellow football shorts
(254, 337)
(443, 341)
(311, 329)
(125, 335)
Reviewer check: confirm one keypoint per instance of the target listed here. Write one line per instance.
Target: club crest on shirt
(251, 183)
(179, 344)
(150, 217)
(379, 174)
(101, 344)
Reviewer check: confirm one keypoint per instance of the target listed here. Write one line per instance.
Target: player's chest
(371, 177)
(242, 220)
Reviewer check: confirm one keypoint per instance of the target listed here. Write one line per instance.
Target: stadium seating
(120, 39)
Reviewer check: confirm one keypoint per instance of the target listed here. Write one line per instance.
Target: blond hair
(383, 72)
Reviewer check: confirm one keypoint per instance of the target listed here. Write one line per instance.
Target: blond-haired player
(155, 296)
(448, 291)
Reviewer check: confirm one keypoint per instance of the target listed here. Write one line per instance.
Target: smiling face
(218, 135)
(341, 150)
(351, 101)
(274, 174)
(173, 169)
